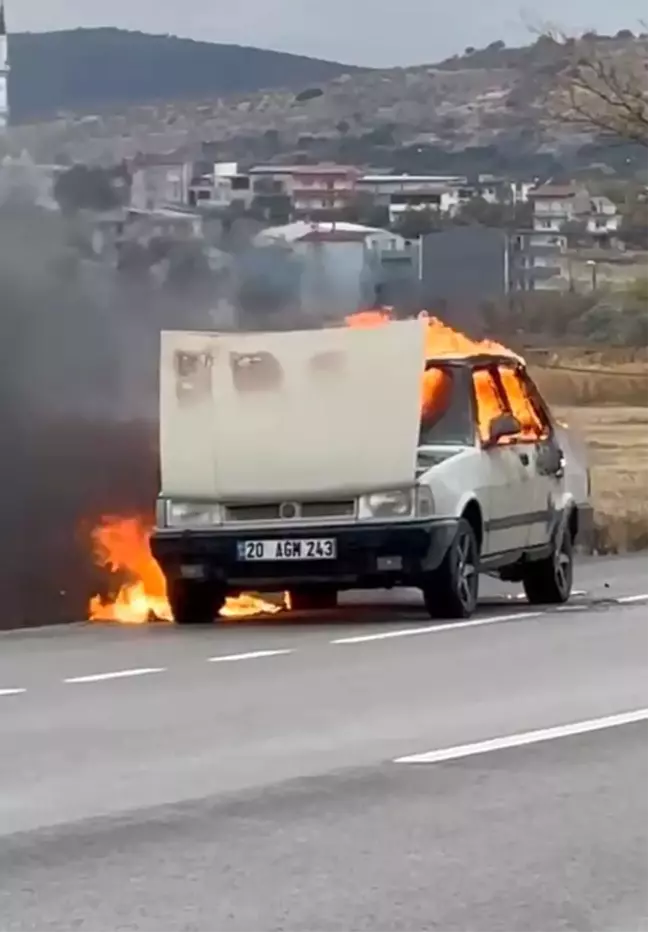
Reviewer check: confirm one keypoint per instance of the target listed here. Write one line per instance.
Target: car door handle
(524, 458)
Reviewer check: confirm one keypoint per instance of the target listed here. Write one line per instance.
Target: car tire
(195, 603)
(452, 590)
(313, 598)
(549, 581)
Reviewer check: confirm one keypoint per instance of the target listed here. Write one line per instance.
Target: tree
(414, 223)
(86, 188)
(503, 216)
(604, 91)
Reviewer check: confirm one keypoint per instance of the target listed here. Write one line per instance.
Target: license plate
(316, 548)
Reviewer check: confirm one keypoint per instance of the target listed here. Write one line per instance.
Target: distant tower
(4, 70)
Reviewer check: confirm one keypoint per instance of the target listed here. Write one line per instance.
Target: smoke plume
(78, 407)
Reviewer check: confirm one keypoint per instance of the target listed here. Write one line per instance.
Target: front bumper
(368, 556)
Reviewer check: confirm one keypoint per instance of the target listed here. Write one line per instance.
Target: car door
(531, 447)
(550, 472)
(505, 476)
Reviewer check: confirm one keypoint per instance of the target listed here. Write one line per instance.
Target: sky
(362, 32)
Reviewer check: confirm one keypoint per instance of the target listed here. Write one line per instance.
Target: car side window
(489, 399)
(535, 425)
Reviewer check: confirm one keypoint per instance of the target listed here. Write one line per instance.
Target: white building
(344, 263)
(556, 206)
(604, 218)
(496, 190)
(4, 70)
(161, 181)
(401, 193)
(221, 187)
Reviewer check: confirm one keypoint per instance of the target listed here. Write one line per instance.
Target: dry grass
(617, 438)
(603, 395)
(624, 384)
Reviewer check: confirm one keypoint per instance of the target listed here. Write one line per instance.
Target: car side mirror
(504, 425)
(551, 460)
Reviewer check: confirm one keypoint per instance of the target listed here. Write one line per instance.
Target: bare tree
(604, 86)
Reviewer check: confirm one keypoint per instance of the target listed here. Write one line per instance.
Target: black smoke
(79, 344)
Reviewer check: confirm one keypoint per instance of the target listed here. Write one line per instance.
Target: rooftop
(555, 190)
(304, 231)
(323, 169)
(414, 179)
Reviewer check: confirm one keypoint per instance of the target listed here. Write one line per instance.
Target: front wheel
(550, 581)
(452, 590)
(195, 603)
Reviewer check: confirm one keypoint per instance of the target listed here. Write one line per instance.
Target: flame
(443, 342)
(121, 545)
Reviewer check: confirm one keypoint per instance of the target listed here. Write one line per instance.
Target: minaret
(4, 70)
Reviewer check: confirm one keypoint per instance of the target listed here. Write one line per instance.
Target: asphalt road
(251, 776)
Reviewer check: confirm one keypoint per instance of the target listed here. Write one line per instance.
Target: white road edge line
(528, 737)
(629, 599)
(12, 692)
(251, 655)
(114, 675)
(434, 629)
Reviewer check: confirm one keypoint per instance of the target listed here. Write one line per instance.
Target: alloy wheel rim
(562, 565)
(466, 571)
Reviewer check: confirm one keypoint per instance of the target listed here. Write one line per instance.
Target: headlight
(397, 503)
(191, 514)
(394, 504)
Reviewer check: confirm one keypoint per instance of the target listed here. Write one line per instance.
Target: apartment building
(401, 193)
(311, 189)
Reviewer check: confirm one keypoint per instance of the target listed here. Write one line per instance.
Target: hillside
(88, 69)
(490, 110)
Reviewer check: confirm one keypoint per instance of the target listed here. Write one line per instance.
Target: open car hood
(283, 415)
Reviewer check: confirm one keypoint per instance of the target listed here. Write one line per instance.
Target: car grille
(291, 511)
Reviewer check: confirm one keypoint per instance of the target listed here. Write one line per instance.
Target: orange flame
(443, 342)
(121, 545)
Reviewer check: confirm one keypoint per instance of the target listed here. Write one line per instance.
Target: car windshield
(447, 416)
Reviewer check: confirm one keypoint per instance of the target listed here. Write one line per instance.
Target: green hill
(87, 69)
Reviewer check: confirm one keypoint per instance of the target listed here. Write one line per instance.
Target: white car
(494, 485)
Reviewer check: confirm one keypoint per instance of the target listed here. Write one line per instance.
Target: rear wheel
(451, 591)
(549, 581)
(313, 598)
(195, 603)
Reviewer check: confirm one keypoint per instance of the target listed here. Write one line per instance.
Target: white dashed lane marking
(524, 738)
(436, 629)
(355, 639)
(114, 675)
(251, 655)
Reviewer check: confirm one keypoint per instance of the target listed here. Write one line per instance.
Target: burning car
(362, 457)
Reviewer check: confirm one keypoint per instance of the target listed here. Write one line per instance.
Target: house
(113, 229)
(221, 186)
(604, 220)
(346, 266)
(311, 189)
(497, 190)
(557, 206)
(400, 193)
(160, 180)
